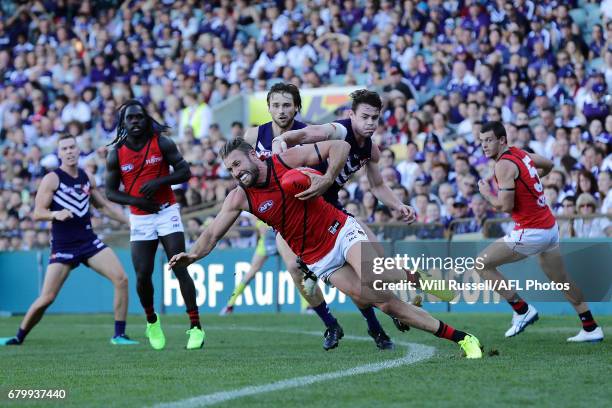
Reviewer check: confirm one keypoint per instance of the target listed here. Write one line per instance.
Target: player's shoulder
(250, 136)
(50, 180)
(505, 166)
(237, 198)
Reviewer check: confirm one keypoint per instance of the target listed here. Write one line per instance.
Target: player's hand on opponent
(182, 260)
(318, 186)
(407, 213)
(149, 188)
(62, 215)
(484, 187)
(148, 206)
(279, 145)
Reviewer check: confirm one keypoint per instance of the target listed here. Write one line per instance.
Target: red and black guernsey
(530, 209)
(310, 227)
(138, 167)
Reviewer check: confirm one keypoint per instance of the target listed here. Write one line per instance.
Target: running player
(321, 234)
(266, 247)
(284, 103)
(520, 192)
(140, 160)
(357, 130)
(63, 198)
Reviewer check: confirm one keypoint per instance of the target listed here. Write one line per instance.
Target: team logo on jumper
(127, 167)
(266, 206)
(154, 159)
(334, 227)
(175, 218)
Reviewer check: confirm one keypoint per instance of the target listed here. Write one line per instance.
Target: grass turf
(72, 352)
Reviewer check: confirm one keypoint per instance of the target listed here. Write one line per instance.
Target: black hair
(291, 89)
(496, 127)
(235, 144)
(153, 126)
(363, 96)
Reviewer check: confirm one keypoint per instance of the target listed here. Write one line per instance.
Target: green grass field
(537, 368)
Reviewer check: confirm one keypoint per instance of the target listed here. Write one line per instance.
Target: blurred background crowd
(443, 68)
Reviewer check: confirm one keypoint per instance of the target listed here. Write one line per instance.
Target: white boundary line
(416, 352)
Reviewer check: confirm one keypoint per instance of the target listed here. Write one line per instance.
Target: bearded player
(520, 192)
(63, 198)
(140, 160)
(357, 131)
(284, 103)
(322, 235)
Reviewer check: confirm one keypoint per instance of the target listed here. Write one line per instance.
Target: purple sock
(370, 316)
(21, 334)
(119, 328)
(325, 315)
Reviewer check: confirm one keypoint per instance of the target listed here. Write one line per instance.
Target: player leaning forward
(535, 232)
(322, 235)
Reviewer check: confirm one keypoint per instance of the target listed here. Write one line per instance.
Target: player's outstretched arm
(43, 199)
(382, 191)
(334, 151)
(105, 206)
(234, 204)
(307, 135)
(181, 172)
(543, 165)
(505, 172)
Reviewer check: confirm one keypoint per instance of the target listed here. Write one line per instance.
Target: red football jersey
(136, 169)
(310, 227)
(530, 209)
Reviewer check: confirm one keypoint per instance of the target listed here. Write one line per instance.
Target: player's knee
(121, 282)
(47, 298)
(386, 308)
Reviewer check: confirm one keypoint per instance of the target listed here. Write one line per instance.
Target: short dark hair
(65, 136)
(235, 144)
(291, 89)
(496, 127)
(366, 97)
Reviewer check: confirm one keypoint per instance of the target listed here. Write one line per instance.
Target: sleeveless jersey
(265, 134)
(138, 167)
(72, 194)
(309, 227)
(530, 209)
(357, 158)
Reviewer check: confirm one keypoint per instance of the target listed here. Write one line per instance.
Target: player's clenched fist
(62, 215)
(182, 259)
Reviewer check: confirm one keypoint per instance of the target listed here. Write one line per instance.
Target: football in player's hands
(295, 181)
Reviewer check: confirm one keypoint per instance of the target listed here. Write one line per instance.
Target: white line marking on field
(416, 352)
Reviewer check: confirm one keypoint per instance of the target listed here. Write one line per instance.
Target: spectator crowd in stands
(443, 68)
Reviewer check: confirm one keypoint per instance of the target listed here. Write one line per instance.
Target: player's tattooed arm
(234, 204)
(43, 199)
(506, 173)
(309, 134)
(334, 151)
(382, 191)
(181, 172)
(543, 165)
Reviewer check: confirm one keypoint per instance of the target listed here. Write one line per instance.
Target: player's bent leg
(500, 253)
(553, 266)
(174, 243)
(108, 265)
(390, 304)
(54, 279)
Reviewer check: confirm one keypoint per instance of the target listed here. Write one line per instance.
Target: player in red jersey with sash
(323, 236)
(141, 160)
(520, 193)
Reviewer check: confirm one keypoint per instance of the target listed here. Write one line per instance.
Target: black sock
(588, 323)
(151, 315)
(519, 305)
(450, 333)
